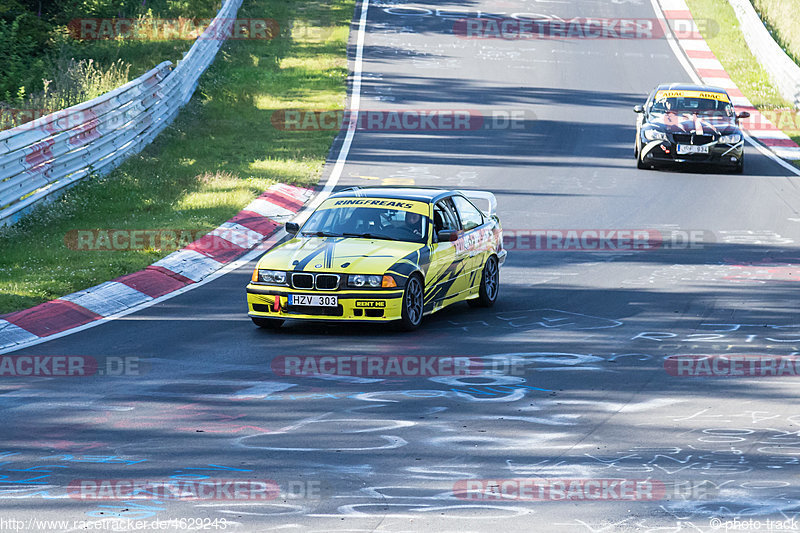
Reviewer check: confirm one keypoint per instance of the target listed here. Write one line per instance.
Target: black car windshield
(369, 223)
(701, 106)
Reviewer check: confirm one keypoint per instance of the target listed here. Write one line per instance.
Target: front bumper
(666, 152)
(266, 301)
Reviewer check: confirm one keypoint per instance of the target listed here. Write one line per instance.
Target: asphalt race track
(591, 329)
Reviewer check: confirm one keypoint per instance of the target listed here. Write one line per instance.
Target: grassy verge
(221, 152)
(47, 63)
(728, 44)
(784, 24)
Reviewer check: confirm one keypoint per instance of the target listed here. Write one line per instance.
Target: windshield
(705, 103)
(367, 222)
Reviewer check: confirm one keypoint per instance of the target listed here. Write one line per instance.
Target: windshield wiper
(369, 236)
(322, 233)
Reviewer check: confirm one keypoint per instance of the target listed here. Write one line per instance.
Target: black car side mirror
(447, 235)
(743, 114)
(638, 109)
(292, 228)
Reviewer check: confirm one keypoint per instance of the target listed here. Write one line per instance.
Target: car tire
(490, 284)
(739, 169)
(640, 164)
(413, 304)
(267, 323)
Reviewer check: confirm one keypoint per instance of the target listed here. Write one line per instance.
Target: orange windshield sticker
(708, 95)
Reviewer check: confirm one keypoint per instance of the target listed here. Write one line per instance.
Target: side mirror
(743, 114)
(447, 235)
(292, 228)
(638, 109)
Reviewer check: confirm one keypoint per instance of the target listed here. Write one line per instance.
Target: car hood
(692, 123)
(337, 254)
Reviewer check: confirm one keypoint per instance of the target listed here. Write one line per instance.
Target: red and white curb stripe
(251, 226)
(711, 71)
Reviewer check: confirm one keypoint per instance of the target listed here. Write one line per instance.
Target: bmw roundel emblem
(318, 266)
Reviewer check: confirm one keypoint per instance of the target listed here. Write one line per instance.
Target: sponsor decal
(377, 203)
(473, 240)
(708, 95)
(421, 208)
(732, 365)
(371, 303)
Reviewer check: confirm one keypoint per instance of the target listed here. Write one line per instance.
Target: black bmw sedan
(689, 124)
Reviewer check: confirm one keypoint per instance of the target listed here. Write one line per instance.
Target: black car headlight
(363, 280)
(654, 135)
(733, 138)
(272, 277)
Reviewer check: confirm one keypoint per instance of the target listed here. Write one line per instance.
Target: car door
(446, 278)
(475, 239)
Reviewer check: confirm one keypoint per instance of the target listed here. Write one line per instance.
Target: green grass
(36, 45)
(221, 152)
(783, 22)
(728, 44)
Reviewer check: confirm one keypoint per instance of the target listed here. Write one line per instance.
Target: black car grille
(327, 282)
(302, 281)
(690, 138)
(315, 310)
(322, 282)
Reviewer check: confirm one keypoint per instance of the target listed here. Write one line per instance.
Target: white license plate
(313, 300)
(692, 149)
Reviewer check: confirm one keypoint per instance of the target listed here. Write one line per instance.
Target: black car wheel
(739, 169)
(411, 316)
(490, 285)
(267, 323)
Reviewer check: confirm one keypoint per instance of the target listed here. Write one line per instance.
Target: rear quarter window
(471, 217)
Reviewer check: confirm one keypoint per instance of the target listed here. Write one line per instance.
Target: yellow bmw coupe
(382, 255)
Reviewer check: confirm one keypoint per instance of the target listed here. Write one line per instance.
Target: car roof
(420, 194)
(690, 87)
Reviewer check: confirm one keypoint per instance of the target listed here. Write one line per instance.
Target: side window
(444, 217)
(471, 217)
(648, 106)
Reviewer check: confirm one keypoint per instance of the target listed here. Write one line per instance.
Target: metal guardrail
(40, 158)
(781, 68)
